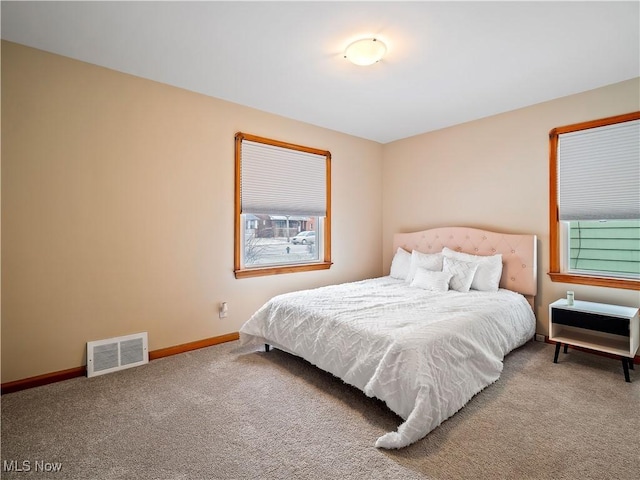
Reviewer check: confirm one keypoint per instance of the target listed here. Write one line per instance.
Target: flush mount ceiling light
(366, 51)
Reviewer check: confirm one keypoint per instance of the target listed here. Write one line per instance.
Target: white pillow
(430, 261)
(487, 278)
(462, 273)
(431, 280)
(400, 264)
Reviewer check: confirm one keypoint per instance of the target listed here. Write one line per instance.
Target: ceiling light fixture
(366, 51)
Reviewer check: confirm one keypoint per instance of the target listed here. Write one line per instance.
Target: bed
(425, 338)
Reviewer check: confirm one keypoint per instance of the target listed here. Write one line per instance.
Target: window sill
(260, 272)
(595, 281)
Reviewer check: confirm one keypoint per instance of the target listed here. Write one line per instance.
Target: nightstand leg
(625, 367)
(266, 347)
(566, 346)
(631, 364)
(555, 358)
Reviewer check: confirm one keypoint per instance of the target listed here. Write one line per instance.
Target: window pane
(609, 248)
(280, 239)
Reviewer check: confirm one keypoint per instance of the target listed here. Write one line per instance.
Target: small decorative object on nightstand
(570, 298)
(597, 326)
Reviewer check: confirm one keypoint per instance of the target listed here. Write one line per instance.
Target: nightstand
(602, 327)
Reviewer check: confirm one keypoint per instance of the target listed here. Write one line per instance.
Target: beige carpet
(227, 412)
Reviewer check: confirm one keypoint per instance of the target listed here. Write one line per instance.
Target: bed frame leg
(267, 347)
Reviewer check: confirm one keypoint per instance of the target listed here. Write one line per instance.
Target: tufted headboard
(519, 256)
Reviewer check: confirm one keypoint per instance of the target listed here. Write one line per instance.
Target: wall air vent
(113, 354)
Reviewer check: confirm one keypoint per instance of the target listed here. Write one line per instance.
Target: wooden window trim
(279, 269)
(554, 219)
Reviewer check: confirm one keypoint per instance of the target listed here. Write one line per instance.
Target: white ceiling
(447, 62)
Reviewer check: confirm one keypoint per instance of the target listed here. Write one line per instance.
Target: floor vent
(113, 354)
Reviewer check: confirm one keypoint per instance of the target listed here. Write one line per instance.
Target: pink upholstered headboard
(519, 257)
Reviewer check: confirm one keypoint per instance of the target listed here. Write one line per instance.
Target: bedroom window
(282, 207)
(595, 202)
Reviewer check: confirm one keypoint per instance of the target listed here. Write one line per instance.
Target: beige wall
(117, 211)
(117, 203)
(494, 173)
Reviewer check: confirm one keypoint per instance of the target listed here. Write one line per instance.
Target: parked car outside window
(304, 238)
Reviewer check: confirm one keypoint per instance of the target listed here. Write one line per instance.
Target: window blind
(599, 173)
(278, 180)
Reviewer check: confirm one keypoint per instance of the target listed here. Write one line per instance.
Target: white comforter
(424, 354)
